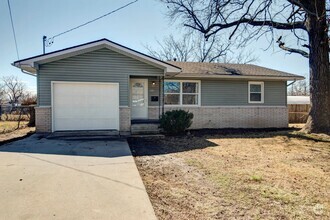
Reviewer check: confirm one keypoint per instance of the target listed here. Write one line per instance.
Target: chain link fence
(18, 114)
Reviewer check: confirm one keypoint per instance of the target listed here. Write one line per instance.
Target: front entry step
(145, 128)
(84, 135)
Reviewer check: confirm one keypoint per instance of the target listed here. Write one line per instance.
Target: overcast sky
(141, 23)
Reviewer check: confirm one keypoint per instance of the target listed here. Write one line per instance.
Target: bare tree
(241, 57)
(299, 88)
(307, 20)
(170, 49)
(2, 93)
(29, 99)
(14, 88)
(209, 50)
(195, 48)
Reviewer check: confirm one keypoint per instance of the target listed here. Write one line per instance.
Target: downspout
(163, 96)
(291, 89)
(159, 84)
(291, 83)
(35, 75)
(23, 71)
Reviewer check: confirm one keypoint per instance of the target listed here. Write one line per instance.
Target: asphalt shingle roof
(198, 69)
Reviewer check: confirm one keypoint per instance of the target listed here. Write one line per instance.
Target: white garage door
(85, 106)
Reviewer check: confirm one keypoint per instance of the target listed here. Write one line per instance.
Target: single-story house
(102, 85)
(299, 100)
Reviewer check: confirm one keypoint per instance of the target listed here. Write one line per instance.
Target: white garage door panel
(85, 106)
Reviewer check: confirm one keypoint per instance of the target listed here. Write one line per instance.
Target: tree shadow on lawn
(199, 139)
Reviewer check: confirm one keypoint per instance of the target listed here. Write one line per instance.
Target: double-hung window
(256, 92)
(177, 92)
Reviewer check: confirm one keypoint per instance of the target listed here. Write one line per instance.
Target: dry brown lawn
(236, 175)
(9, 126)
(16, 134)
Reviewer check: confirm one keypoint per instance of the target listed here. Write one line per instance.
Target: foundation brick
(237, 117)
(43, 119)
(125, 119)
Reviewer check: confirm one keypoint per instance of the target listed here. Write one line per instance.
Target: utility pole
(44, 38)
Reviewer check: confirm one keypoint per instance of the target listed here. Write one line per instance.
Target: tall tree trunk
(319, 115)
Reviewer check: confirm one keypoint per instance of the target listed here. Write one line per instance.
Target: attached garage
(85, 106)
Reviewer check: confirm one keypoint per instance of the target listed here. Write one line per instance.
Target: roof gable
(31, 64)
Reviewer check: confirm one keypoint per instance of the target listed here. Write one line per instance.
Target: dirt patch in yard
(10, 126)
(236, 175)
(16, 135)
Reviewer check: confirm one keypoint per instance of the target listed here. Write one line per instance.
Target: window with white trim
(181, 92)
(256, 92)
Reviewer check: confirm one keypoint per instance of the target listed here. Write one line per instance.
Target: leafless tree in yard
(246, 20)
(240, 57)
(195, 48)
(29, 98)
(2, 93)
(299, 88)
(210, 50)
(14, 88)
(170, 49)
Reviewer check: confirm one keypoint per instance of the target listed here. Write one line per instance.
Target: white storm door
(139, 98)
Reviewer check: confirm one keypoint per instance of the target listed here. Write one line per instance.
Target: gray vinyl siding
(153, 90)
(102, 65)
(275, 93)
(235, 93)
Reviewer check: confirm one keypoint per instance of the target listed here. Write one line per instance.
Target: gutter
(288, 78)
(30, 74)
(291, 83)
(23, 71)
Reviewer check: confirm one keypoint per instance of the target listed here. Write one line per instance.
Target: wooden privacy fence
(298, 113)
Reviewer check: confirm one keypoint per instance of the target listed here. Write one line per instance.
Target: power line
(12, 26)
(51, 39)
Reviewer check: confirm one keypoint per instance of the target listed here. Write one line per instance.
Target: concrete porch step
(86, 135)
(146, 128)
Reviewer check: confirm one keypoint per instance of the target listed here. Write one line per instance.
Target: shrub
(176, 121)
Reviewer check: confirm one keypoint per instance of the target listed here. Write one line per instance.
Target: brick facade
(237, 117)
(153, 112)
(43, 119)
(204, 117)
(125, 118)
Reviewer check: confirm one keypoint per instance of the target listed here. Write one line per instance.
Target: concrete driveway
(71, 179)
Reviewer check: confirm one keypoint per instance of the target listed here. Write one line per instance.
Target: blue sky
(141, 23)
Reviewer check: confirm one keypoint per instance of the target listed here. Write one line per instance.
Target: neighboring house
(299, 100)
(104, 85)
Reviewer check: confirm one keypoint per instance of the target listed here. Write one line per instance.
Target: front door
(139, 98)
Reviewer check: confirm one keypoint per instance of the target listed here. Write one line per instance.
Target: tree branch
(273, 24)
(281, 44)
